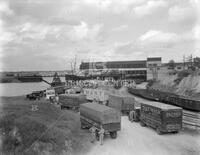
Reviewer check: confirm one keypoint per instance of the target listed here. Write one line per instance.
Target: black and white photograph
(99, 77)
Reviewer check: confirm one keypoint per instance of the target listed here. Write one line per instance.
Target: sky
(50, 34)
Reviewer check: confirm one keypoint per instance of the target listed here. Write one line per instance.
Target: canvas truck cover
(72, 99)
(115, 102)
(100, 113)
(128, 102)
(121, 102)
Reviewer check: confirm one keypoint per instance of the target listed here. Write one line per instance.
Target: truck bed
(100, 113)
(72, 100)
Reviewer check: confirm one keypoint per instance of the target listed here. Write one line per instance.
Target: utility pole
(184, 61)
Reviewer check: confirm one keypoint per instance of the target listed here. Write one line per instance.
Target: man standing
(93, 134)
(57, 99)
(101, 134)
(131, 115)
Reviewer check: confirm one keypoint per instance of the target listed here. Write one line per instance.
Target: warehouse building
(142, 70)
(136, 70)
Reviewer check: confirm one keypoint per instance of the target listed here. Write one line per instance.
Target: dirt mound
(186, 86)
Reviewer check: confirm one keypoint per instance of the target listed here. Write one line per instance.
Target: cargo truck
(162, 117)
(124, 104)
(94, 114)
(71, 101)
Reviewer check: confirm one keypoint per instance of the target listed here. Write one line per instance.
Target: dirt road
(134, 139)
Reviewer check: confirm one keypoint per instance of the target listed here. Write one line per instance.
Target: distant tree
(171, 64)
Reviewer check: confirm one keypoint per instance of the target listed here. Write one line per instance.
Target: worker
(94, 100)
(93, 134)
(101, 134)
(57, 99)
(131, 113)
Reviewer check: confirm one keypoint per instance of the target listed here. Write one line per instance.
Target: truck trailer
(163, 118)
(71, 101)
(97, 115)
(124, 104)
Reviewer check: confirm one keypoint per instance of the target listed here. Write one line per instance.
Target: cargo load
(71, 100)
(162, 117)
(97, 94)
(94, 114)
(122, 103)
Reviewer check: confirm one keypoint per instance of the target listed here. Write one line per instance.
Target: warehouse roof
(113, 64)
(154, 59)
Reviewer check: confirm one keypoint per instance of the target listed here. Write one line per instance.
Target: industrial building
(136, 70)
(142, 70)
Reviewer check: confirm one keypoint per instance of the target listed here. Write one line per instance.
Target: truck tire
(142, 123)
(175, 132)
(113, 134)
(82, 126)
(134, 116)
(158, 131)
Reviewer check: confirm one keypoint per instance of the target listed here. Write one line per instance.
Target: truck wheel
(158, 131)
(113, 134)
(175, 132)
(142, 123)
(134, 116)
(82, 126)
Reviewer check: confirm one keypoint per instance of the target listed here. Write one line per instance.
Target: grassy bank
(37, 127)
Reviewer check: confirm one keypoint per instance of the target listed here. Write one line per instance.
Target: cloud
(130, 48)
(121, 27)
(182, 14)
(5, 37)
(149, 7)
(35, 31)
(63, 21)
(196, 32)
(41, 30)
(4, 8)
(83, 31)
(115, 6)
(155, 36)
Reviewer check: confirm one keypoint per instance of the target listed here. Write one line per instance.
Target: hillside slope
(181, 84)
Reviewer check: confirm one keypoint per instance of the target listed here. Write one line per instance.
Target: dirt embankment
(186, 84)
(38, 127)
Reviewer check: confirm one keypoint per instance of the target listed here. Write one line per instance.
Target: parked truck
(124, 104)
(163, 118)
(97, 115)
(72, 101)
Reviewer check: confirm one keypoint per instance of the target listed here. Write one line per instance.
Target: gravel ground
(134, 139)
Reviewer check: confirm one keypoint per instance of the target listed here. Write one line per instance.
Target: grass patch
(181, 75)
(25, 130)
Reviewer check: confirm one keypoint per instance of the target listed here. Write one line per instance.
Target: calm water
(16, 89)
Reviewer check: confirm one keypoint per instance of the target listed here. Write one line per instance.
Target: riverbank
(41, 128)
(9, 80)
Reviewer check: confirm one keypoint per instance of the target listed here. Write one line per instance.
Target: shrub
(181, 75)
